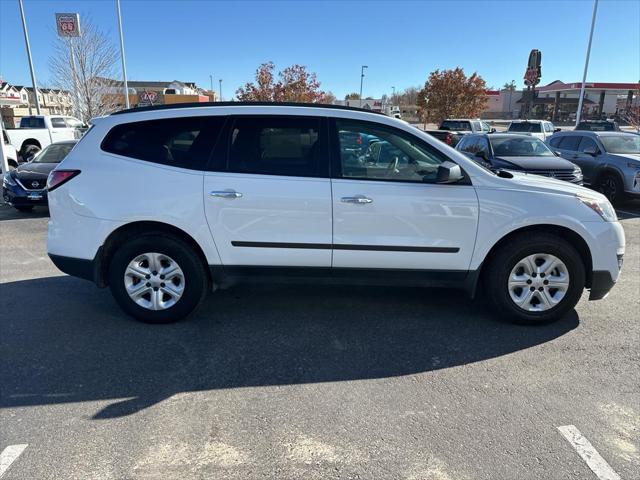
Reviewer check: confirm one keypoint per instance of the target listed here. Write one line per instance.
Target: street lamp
(361, 80)
(220, 88)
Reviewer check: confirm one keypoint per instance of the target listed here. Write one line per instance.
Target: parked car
(598, 126)
(25, 187)
(9, 151)
(38, 131)
(518, 153)
(452, 130)
(610, 161)
(541, 129)
(162, 203)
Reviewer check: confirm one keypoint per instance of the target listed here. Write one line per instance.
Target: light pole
(393, 96)
(211, 80)
(361, 80)
(220, 88)
(33, 73)
(586, 63)
(511, 88)
(124, 67)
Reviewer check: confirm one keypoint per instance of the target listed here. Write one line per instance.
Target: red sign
(147, 97)
(68, 24)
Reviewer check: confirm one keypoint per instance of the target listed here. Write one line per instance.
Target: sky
(399, 41)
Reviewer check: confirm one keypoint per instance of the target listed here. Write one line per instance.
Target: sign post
(532, 76)
(68, 26)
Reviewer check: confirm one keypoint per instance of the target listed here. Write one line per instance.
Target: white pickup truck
(38, 131)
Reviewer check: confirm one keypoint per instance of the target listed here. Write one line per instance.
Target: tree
(329, 98)
(352, 96)
(451, 93)
(511, 86)
(631, 114)
(89, 82)
(409, 96)
(294, 84)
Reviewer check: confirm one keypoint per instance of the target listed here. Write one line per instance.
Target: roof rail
(240, 104)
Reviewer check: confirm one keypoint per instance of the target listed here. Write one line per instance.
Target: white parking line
(596, 463)
(8, 456)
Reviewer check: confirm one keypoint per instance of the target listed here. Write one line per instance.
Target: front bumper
(17, 196)
(601, 284)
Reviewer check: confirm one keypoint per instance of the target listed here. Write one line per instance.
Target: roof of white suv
(241, 104)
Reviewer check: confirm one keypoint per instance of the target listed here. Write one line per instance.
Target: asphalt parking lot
(308, 382)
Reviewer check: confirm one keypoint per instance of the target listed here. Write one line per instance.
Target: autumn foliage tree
(293, 84)
(451, 94)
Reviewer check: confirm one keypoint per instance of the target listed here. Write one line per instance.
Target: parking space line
(8, 456)
(590, 455)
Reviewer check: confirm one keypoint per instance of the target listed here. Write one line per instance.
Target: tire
(156, 252)
(24, 208)
(611, 186)
(28, 152)
(509, 264)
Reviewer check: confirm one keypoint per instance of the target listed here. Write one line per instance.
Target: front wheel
(535, 278)
(157, 278)
(611, 186)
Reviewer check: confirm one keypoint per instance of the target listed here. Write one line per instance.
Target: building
(17, 101)
(145, 93)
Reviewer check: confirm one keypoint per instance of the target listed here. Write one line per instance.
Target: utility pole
(220, 88)
(361, 80)
(124, 67)
(211, 80)
(586, 63)
(33, 73)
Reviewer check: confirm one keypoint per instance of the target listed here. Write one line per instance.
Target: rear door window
(570, 142)
(178, 142)
(32, 122)
(272, 145)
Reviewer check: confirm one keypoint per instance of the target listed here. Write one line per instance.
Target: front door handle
(359, 199)
(225, 194)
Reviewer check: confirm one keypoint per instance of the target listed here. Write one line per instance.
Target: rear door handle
(359, 199)
(225, 194)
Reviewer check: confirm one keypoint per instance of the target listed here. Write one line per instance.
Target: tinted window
(32, 122)
(548, 127)
(54, 153)
(455, 125)
(179, 142)
(525, 127)
(476, 126)
(587, 143)
(621, 143)
(385, 154)
(275, 146)
(596, 126)
(555, 141)
(58, 122)
(570, 142)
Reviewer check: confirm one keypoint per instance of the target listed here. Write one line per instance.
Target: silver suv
(610, 161)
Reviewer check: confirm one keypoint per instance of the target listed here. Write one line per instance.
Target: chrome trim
(17, 180)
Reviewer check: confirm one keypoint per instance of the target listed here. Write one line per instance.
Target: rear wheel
(157, 278)
(611, 186)
(28, 152)
(535, 278)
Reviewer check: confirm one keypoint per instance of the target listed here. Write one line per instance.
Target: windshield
(455, 125)
(621, 143)
(520, 147)
(54, 153)
(525, 127)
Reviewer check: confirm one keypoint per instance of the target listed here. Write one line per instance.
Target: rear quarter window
(178, 142)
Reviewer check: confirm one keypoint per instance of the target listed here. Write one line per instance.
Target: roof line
(240, 104)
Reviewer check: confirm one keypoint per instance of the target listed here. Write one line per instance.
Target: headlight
(601, 206)
(8, 180)
(577, 172)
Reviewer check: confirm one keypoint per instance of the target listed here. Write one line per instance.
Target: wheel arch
(603, 170)
(30, 141)
(120, 235)
(571, 236)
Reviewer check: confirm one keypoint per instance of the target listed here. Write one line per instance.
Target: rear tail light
(448, 139)
(58, 177)
(359, 140)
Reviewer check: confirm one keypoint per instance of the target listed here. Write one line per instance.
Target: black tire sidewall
(196, 280)
(619, 187)
(497, 280)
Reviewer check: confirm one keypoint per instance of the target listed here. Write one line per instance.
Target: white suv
(163, 204)
(541, 129)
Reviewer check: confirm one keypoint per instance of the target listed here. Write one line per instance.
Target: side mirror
(558, 153)
(449, 172)
(593, 151)
(557, 129)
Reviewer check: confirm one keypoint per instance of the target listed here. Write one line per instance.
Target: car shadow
(73, 344)
(7, 212)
